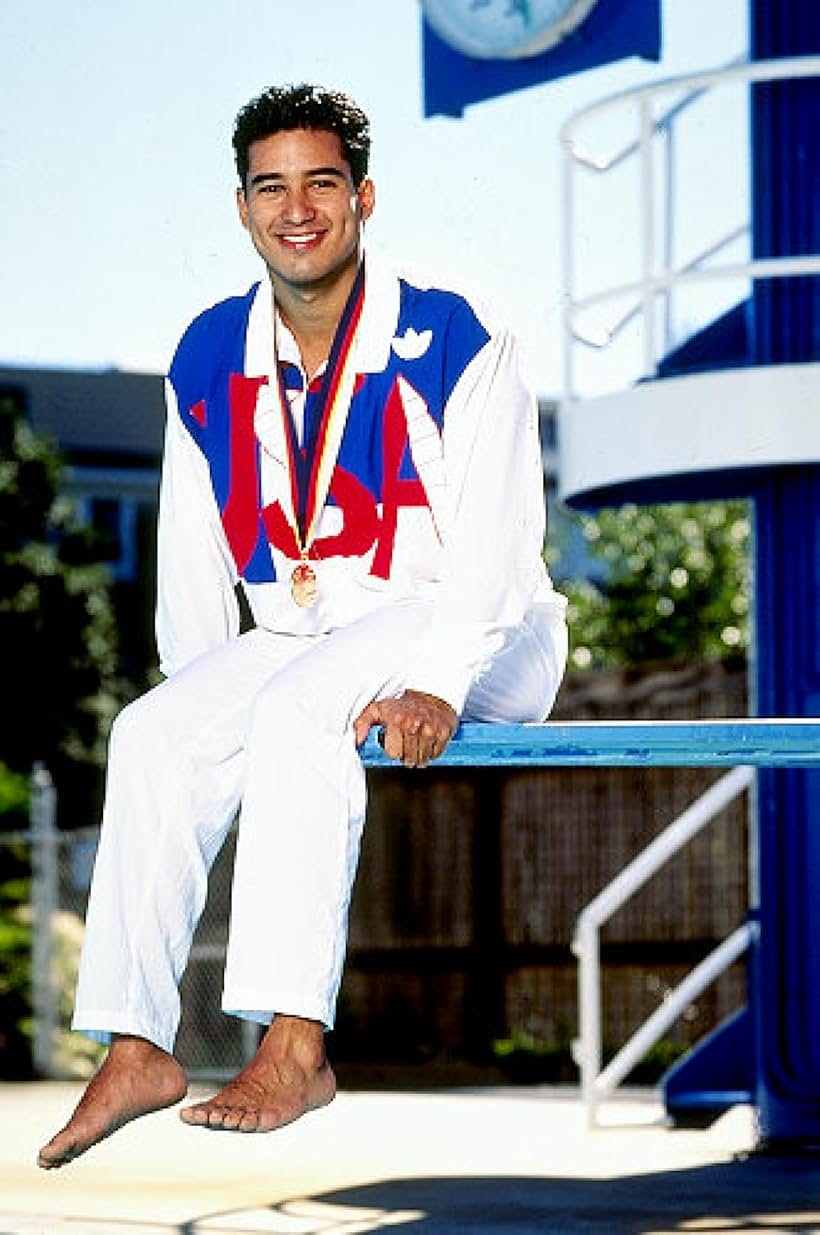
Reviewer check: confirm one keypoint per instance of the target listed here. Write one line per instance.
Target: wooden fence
(470, 883)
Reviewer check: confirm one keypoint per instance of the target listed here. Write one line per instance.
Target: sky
(117, 211)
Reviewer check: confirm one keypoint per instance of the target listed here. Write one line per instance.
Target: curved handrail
(760, 267)
(596, 1082)
(783, 68)
(660, 279)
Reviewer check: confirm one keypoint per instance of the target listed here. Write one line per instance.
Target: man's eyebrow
(265, 177)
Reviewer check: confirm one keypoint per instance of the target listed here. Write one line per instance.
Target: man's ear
(242, 207)
(366, 194)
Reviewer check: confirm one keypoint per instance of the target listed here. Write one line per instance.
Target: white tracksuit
(430, 574)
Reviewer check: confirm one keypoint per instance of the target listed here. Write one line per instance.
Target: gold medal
(304, 586)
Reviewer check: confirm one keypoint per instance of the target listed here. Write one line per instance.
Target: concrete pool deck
(497, 1161)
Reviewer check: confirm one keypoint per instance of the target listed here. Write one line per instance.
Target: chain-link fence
(210, 1045)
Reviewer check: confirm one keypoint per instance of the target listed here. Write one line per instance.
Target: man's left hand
(417, 727)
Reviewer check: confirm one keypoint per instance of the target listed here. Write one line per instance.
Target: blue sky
(117, 212)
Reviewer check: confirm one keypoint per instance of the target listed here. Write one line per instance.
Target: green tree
(57, 628)
(674, 583)
(15, 940)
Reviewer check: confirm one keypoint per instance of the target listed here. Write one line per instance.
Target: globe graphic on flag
(505, 29)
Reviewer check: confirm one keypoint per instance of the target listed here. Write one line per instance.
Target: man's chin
(304, 277)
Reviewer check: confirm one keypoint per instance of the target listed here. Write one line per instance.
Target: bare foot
(288, 1076)
(136, 1078)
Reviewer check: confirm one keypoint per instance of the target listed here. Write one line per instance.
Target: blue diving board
(755, 742)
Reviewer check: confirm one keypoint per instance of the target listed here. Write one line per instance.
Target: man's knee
(290, 705)
(276, 710)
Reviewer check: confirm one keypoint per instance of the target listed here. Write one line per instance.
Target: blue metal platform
(754, 742)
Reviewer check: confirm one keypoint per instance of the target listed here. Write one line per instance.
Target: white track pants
(264, 723)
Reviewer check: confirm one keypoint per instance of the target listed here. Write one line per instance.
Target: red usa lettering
(362, 525)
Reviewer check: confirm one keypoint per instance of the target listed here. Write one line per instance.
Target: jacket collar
(377, 327)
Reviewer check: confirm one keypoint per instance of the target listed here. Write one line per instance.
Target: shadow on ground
(755, 1194)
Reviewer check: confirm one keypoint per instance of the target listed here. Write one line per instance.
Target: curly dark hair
(304, 107)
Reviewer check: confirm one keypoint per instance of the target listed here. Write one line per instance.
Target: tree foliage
(57, 628)
(674, 583)
(15, 931)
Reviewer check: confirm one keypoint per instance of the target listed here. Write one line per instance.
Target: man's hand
(417, 727)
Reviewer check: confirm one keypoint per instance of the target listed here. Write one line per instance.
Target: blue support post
(786, 329)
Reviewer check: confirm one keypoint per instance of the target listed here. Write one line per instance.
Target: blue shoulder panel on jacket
(447, 324)
(217, 333)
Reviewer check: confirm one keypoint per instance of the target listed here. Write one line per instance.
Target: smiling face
(302, 210)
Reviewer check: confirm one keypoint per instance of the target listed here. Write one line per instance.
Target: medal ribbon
(311, 467)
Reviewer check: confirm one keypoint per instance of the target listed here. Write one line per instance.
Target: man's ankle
(297, 1037)
(132, 1047)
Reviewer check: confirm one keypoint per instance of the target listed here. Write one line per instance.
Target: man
(357, 451)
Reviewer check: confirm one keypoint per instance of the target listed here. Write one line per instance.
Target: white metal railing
(658, 276)
(596, 1083)
(44, 839)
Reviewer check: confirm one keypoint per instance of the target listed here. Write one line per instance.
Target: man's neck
(312, 315)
